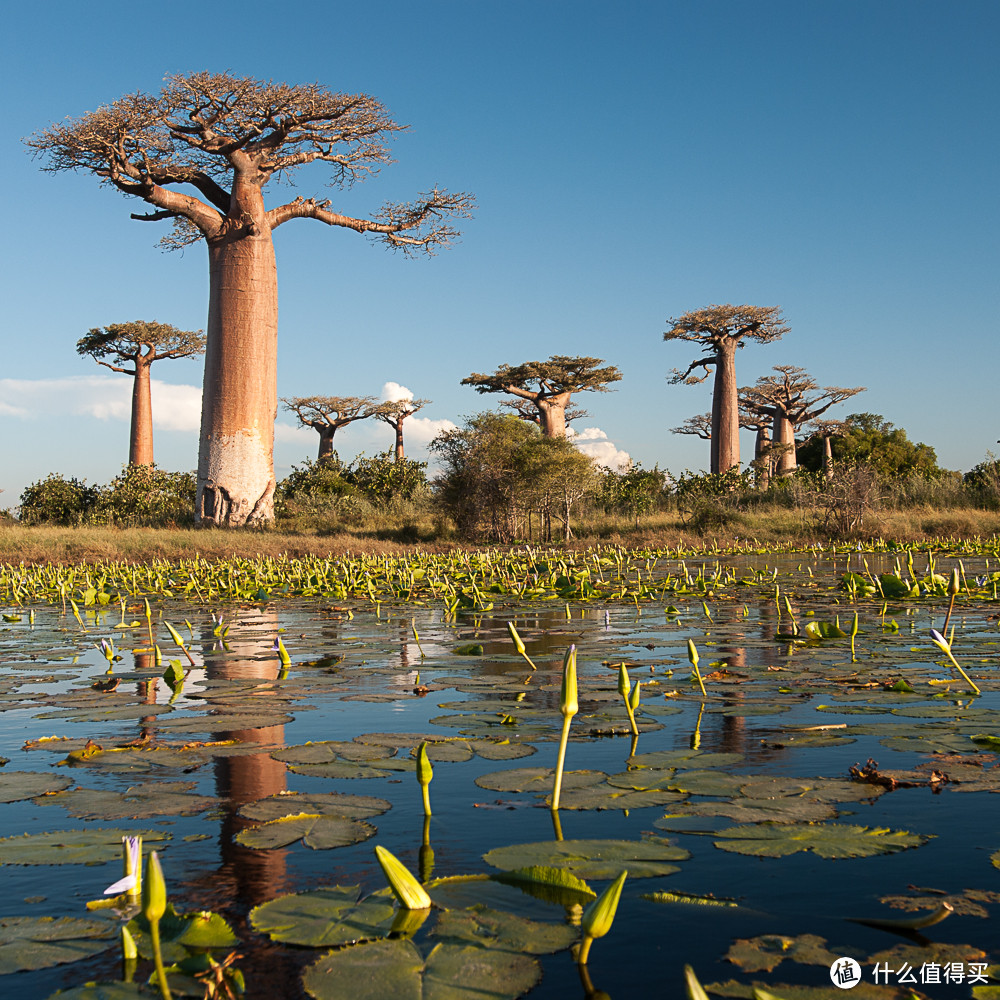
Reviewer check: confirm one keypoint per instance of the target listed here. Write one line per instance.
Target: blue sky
(631, 162)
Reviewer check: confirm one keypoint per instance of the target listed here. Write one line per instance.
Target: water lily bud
(633, 698)
(695, 991)
(154, 890)
(600, 915)
(692, 652)
(515, 638)
(405, 887)
(953, 583)
(424, 770)
(624, 684)
(129, 951)
(282, 652)
(568, 703)
(939, 640)
(175, 635)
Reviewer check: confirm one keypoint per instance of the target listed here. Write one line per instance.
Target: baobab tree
(699, 426)
(548, 386)
(826, 430)
(395, 413)
(721, 330)
(139, 344)
(327, 414)
(763, 448)
(526, 410)
(791, 398)
(225, 138)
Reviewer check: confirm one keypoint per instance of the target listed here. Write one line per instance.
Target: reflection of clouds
(106, 397)
(594, 442)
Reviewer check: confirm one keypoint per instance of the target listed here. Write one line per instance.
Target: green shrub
(55, 500)
(145, 496)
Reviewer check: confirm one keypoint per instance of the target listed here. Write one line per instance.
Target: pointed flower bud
(279, 648)
(154, 890)
(175, 635)
(405, 887)
(425, 772)
(515, 638)
(633, 698)
(624, 684)
(954, 585)
(940, 641)
(568, 703)
(692, 653)
(129, 951)
(600, 915)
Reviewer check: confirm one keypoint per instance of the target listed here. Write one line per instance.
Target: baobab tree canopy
(327, 414)
(548, 385)
(139, 343)
(201, 153)
(721, 329)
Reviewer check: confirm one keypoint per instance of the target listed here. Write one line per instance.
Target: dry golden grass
(774, 527)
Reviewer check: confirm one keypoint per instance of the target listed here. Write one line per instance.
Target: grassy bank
(771, 527)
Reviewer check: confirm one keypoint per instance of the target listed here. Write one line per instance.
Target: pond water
(722, 800)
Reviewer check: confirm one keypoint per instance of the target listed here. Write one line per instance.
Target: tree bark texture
(240, 402)
(784, 437)
(762, 445)
(325, 442)
(725, 410)
(398, 425)
(552, 411)
(827, 457)
(140, 449)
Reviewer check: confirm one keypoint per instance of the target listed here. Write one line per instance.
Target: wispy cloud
(594, 442)
(175, 407)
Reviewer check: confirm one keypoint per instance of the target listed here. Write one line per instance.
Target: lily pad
(319, 832)
(592, 859)
(167, 798)
(767, 952)
(18, 785)
(40, 942)
(554, 885)
(323, 918)
(70, 847)
(324, 803)
(497, 929)
(398, 969)
(536, 779)
(829, 840)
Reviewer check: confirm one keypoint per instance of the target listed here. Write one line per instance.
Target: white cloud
(422, 430)
(298, 433)
(594, 442)
(105, 397)
(393, 392)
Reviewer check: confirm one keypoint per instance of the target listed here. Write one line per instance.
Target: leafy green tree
(870, 439)
(384, 479)
(634, 491)
(554, 475)
(145, 496)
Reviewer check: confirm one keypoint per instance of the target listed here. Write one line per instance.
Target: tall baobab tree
(791, 398)
(139, 344)
(395, 413)
(526, 410)
(721, 330)
(763, 451)
(548, 386)
(224, 138)
(327, 414)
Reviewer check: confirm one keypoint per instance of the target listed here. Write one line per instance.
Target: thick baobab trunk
(827, 457)
(239, 406)
(140, 449)
(784, 438)
(398, 427)
(725, 411)
(325, 442)
(762, 457)
(552, 414)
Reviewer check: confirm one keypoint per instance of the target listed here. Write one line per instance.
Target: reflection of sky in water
(378, 658)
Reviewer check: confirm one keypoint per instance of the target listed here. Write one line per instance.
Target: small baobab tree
(826, 430)
(699, 426)
(763, 450)
(201, 153)
(791, 398)
(394, 414)
(139, 344)
(548, 387)
(721, 330)
(327, 414)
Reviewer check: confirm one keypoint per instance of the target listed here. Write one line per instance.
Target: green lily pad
(536, 779)
(321, 833)
(788, 809)
(323, 918)
(18, 785)
(39, 942)
(830, 840)
(497, 929)
(166, 798)
(70, 847)
(592, 859)
(554, 885)
(767, 952)
(398, 969)
(608, 796)
(323, 803)
(182, 931)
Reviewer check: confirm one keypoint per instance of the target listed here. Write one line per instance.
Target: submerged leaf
(829, 840)
(39, 942)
